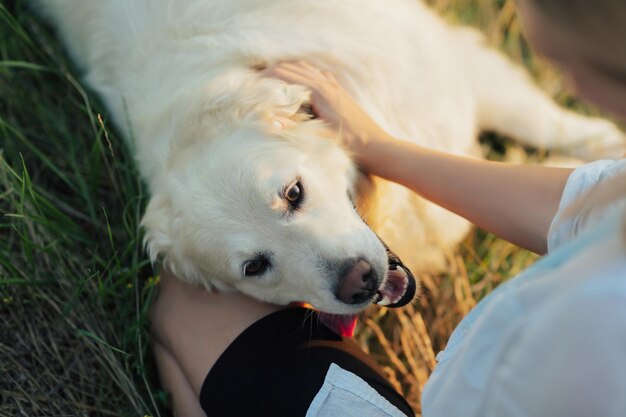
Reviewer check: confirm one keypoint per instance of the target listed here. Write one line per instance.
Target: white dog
(239, 203)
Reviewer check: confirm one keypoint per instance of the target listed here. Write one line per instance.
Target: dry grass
(73, 280)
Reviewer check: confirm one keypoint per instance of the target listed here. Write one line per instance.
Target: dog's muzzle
(397, 290)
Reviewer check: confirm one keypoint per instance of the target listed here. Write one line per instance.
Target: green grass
(73, 277)
(74, 282)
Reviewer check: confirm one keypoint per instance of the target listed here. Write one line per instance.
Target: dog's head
(270, 212)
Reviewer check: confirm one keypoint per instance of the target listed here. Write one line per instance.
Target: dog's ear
(163, 244)
(157, 225)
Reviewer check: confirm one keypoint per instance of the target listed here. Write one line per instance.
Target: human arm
(516, 202)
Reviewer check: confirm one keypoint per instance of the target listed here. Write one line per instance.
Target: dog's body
(180, 77)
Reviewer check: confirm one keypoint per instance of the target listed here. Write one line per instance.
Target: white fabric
(564, 228)
(345, 394)
(551, 342)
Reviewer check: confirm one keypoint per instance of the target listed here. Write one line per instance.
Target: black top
(278, 365)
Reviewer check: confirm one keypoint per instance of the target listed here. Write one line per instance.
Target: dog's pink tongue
(342, 324)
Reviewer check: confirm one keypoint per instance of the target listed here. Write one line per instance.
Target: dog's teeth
(385, 301)
(399, 297)
(377, 297)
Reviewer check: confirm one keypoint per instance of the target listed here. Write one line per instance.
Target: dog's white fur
(179, 77)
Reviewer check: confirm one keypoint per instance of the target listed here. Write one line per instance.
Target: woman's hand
(356, 130)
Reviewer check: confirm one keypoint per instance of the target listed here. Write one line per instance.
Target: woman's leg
(183, 400)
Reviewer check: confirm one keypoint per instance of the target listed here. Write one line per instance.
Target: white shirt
(551, 342)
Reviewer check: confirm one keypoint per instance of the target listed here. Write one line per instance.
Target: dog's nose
(358, 285)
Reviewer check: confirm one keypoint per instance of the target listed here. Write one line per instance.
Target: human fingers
(309, 70)
(322, 84)
(301, 72)
(329, 100)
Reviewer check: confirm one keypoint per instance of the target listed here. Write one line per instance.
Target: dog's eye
(256, 266)
(294, 195)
